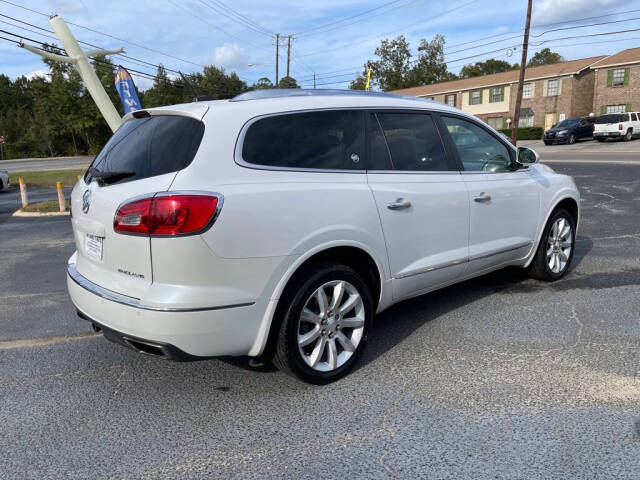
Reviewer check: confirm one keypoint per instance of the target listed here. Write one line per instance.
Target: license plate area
(93, 246)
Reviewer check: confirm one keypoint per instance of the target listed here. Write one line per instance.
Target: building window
(552, 88)
(526, 118)
(450, 100)
(496, 95)
(617, 77)
(496, 122)
(616, 109)
(475, 97)
(527, 90)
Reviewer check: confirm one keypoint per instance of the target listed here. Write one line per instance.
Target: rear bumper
(616, 134)
(177, 334)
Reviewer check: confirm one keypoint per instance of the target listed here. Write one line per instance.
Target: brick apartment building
(551, 93)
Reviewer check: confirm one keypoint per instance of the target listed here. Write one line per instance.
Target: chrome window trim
(132, 301)
(440, 266)
(237, 154)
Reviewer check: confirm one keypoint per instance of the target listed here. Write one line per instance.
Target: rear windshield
(611, 118)
(145, 147)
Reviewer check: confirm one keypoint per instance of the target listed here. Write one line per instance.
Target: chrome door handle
(483, 197)
(399, 204)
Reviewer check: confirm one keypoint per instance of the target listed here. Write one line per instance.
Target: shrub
(525, 133)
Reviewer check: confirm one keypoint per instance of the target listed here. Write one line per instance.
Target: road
(10, 198)
(35, 164)
(500, 377)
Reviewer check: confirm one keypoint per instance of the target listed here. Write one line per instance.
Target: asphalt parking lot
(498, 377)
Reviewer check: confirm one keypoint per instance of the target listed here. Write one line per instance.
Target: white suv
(278, 223)
(623, 126)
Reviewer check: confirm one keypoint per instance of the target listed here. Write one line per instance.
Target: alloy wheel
(331, 325)
(559, 245)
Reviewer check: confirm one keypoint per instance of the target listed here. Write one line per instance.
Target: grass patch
(45, 207)
(48, 178)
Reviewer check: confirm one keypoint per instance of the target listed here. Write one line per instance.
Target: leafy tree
(55, 115)
(544, 57)
(359, 83)
(487, 67)
(288, 82)
(394, 68)
(390, 71)
(263, 82)
(430, 67)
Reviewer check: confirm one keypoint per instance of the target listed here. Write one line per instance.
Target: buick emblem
(86, 201)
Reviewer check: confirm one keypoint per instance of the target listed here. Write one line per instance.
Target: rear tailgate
(141, 158)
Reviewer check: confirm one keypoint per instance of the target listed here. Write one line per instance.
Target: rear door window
(609, 118)
(148, 146)
(324, 140)
(412, 140)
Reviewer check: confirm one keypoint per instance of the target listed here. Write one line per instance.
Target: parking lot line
(42, 342)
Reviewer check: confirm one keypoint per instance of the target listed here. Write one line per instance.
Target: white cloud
(38, 73)
(551, 11)
(231, 56)
(143, 83)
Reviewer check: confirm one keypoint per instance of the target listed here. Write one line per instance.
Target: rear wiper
(109, 177)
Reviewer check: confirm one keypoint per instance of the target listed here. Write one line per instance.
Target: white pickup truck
(624, 126)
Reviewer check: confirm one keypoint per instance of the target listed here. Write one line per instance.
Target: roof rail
(300, 92)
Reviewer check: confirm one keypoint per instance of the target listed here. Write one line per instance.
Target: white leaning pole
(80, 60)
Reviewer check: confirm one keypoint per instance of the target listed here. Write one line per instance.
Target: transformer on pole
(80, 60)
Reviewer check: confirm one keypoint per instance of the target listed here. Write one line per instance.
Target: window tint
(378, 157)
(477, 148)
(322, 140)
(145, 147)
(609, 118)
(413, 141)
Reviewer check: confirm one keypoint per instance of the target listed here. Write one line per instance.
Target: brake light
(619, 126)
(167, 215)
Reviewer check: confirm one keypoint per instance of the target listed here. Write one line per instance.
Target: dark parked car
(570, 130)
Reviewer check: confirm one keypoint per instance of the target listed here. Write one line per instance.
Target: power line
(109, 35)
(211, 25)
(541, 34)
(323, 28)
(233, 15)
(357, 42)
(543, 25)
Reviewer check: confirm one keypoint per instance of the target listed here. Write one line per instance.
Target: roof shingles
(553, 70)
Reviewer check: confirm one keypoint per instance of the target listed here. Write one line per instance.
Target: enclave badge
(86, 201)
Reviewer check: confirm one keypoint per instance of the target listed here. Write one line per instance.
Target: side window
(635, 116)
(413, 141)
(332, 139)
(479, 151)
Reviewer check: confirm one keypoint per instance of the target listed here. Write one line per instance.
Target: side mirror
(526, 156)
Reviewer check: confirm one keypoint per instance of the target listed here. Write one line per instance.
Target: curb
(20, 213)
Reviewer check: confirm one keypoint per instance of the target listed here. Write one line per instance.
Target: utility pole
(80, 60)
(314, 79)
(288, 53)
(277, 55)
(525, 45)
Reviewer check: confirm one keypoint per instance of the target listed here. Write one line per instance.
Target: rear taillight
(167, 214)
(619, 126)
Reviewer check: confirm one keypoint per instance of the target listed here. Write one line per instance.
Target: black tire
(600, 139)
(628, 136)
(539, 267)
(547, 143)
(572, 139)
(287, 356)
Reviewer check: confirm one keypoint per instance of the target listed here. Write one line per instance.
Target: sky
(333, 38)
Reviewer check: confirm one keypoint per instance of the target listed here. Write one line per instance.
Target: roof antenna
(196, 97)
